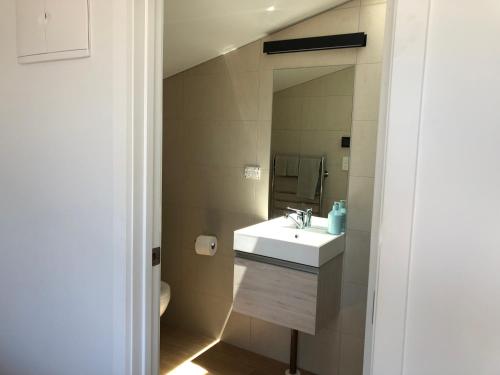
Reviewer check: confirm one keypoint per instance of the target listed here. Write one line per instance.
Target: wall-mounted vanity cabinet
(301, 300)
(52, 30)
(302, 294)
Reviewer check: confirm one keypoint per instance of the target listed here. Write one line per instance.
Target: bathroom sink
(280, 239)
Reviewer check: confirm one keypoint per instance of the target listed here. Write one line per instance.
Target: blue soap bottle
(335, 220)
(343, 210)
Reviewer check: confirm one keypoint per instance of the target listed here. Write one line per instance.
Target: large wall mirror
(310, 142)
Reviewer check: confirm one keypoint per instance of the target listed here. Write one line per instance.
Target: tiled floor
(183, 353)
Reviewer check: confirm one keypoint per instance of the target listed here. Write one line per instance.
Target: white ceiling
(286, 78)
(199, 30)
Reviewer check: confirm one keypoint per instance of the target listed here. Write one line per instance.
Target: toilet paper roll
(206, 245)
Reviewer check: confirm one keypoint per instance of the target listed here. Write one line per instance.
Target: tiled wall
(311, 118)
(217, 119)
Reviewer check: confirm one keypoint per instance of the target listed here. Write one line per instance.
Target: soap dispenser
(343, 210)
(335, 220)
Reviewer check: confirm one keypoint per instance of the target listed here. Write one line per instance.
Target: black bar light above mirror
(316, 43)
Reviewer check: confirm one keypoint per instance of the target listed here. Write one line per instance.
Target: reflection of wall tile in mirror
(327, 113)
(364, 147)
(360, 201)
(370, 23)
(327, 143)
(367, 92)
(340, 83)
(313, 88)
(336, 182)
(287, 112)
(285, 142)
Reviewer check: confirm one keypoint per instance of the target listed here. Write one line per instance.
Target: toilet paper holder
(206, 245)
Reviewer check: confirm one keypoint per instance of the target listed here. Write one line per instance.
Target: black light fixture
(316, 43)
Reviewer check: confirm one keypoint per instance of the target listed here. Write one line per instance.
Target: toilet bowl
(164, 297)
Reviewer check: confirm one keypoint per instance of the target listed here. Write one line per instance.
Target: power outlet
(252, 172)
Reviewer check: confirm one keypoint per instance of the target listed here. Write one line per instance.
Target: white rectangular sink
(280, 239)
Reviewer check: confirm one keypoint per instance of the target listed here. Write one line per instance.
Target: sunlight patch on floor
(189, 368)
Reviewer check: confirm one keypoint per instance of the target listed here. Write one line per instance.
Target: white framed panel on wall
(52, 30)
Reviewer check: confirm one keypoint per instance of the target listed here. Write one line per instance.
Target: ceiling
(199, 30)
(286, 78)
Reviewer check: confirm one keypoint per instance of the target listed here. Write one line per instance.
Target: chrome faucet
(303, 219)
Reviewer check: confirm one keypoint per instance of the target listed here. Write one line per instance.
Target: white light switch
(252, 172)
(345, 163)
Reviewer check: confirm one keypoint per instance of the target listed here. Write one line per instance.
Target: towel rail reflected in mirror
(287, 193)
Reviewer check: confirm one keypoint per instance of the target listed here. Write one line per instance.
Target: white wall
(59, 167)
(453, 305)
(453, 322)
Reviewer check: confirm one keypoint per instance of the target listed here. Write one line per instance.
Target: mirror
(310, 141)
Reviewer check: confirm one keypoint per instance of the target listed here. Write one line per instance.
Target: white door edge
(142, 283)
(157, 181)
(395, 186)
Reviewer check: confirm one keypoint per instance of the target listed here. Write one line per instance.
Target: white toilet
(164, 297)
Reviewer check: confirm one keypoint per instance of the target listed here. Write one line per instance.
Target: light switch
(345, 163)
(252, 172)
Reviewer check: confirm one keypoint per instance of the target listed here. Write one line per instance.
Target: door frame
(137, 283)
(148, 103)
(407, 24)
(395, 178)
